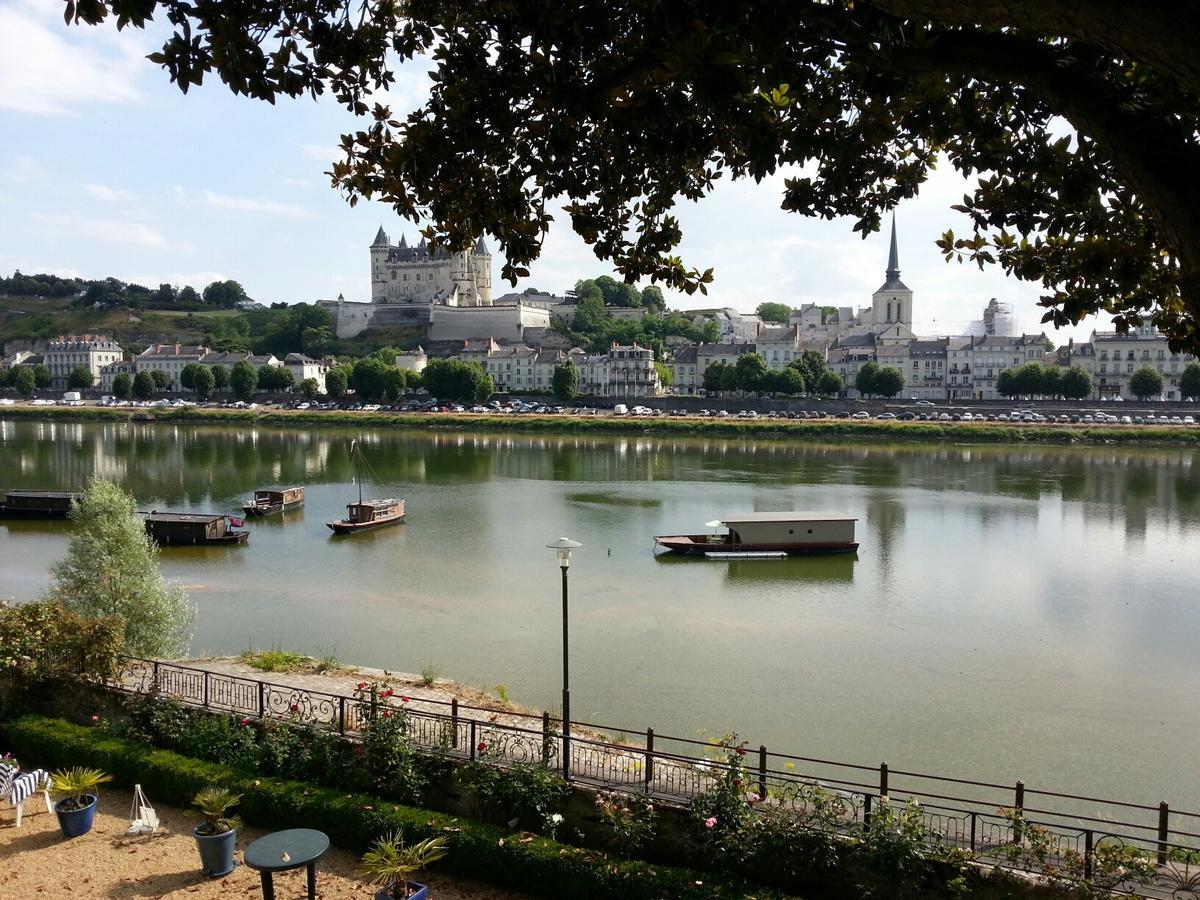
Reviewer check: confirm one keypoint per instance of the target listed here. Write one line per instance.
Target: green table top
(301, 846)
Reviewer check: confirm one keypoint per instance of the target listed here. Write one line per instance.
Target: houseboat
(366, 514)
(192, 528)
(768, 534)
(39, 504)
(269, 502)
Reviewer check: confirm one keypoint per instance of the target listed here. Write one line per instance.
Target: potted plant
(390, 862)
(76, 793)
(216, 836)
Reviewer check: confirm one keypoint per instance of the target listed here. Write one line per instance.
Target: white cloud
(232, 203)
(195, 279)
(60, 271)
(23, 169)
(49, 69)
(325, 153)
(116, 231)
(110, 194)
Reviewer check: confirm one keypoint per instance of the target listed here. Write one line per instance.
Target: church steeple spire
(892, 282)
(893, 269)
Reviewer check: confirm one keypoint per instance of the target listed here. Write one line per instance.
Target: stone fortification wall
(504, 323)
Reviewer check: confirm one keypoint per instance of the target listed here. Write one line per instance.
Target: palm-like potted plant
(390, 862)
(216, 836)
(76, 792)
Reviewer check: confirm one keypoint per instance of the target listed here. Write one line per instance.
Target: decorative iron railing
(1077, 834)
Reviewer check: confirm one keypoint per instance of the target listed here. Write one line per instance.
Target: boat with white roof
(765, 535)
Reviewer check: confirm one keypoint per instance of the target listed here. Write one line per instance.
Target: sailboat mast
(357, 468)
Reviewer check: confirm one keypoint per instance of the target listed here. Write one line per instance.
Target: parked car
(861, 414)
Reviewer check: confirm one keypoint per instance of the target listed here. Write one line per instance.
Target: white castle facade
(404, 274)
(449, 294)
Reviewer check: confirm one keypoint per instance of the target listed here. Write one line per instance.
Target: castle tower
(379, 252)
(892, 303)
(481, 265)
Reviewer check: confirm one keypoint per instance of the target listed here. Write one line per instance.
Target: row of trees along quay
(1077, 120)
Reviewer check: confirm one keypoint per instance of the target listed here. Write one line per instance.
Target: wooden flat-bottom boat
(766, 535)
(192, 529)
(38, 504)
(268, 503)
(367, 514)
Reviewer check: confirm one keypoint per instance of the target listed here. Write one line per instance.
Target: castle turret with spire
(892, 303)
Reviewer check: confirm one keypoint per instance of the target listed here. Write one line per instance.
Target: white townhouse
(168, 358)
(92, 351)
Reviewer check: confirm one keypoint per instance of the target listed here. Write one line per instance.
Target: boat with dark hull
(273, 501)
(769, 534)
(192, 529)
(365, 515)
(39, 504)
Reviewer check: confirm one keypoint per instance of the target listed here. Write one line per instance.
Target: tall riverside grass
(936, 432)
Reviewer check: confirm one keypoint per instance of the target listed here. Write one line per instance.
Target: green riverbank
(788, 429)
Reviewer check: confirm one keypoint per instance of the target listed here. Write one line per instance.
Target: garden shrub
(352, 821)
(525, 795)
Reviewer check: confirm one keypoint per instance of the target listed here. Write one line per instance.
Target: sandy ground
(37, 863)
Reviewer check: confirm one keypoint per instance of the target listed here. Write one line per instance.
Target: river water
(1013, 612)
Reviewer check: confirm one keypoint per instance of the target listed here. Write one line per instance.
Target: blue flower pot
(418, 892)
(75, 822)
(216, 852)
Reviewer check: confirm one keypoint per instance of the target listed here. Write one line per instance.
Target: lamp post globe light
(563, 547)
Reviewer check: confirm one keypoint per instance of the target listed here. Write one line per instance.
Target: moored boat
(766, 534)
(270, 502)
(364, 515)
(39, 504)
(192, 528)
(367, 514)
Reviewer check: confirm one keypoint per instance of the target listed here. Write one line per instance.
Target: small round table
(283, 850)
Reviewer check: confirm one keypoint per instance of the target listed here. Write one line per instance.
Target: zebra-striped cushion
(24, 785)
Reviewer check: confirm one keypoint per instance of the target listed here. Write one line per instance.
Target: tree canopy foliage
(1146, 383)
(452, 379)
(1037, 380)
(1189, 381)
(1078, 119)
(565, 382)
(111, 569)
(774, 312)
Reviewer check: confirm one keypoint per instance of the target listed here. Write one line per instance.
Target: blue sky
(107, 169)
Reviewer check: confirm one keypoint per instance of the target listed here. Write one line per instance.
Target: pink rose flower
(246, 721)
(403, 699)
(710, 821)
(361, 685)
(95, 718)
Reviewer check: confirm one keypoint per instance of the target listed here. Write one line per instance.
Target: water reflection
(795, 572)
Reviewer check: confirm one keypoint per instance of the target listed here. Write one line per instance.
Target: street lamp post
(563, 547)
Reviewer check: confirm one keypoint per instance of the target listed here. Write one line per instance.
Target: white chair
(16, 787)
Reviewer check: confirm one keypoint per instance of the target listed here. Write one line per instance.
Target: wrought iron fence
(995, 823)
